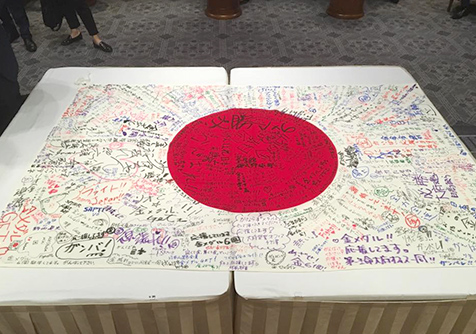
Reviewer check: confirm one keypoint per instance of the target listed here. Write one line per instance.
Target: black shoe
(460, 12)
(103, 46)
(30, 45)
(395, 1)
(70, 40)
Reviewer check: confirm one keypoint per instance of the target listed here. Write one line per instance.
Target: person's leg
(21, 19)
(19, 15)
(80, 7)
(8, 25)
(86, 16)
(69, 13)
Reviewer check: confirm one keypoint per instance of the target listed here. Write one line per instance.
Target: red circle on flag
(252, 160)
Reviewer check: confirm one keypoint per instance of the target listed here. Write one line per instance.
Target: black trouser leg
(19, 15)
(70, 14)
(464, 3)
(80, 7)
(8, 24)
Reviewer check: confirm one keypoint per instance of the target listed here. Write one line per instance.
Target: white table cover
(20, 144)
(368, 284)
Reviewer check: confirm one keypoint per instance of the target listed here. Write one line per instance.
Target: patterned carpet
(418, 35)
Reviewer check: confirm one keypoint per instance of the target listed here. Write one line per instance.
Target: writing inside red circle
(252, 160)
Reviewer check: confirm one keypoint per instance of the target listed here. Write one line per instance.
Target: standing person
(15, 8)
(10, 98)
(71, 7)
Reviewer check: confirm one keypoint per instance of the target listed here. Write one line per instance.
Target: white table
(20, 144)
(353, 285)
